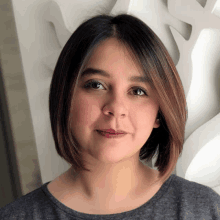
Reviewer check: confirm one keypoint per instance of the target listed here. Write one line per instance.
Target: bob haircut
(166, 141)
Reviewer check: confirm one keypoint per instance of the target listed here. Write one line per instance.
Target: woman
(116, 100)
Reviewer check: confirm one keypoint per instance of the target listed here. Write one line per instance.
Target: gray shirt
(177, 198)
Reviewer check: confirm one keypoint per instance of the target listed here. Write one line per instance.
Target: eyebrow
(92, 71)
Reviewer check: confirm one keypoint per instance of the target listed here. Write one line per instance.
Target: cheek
(146, 118)
(84, 111)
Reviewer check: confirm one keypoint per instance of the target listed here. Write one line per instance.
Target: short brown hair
(167, 140)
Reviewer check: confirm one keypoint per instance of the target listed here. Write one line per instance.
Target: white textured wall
(36, 39)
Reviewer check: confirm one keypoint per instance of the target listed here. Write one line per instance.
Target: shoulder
(196, 198)
(191, 188)
(23, 207)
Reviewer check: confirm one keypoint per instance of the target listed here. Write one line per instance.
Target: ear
(157, 123)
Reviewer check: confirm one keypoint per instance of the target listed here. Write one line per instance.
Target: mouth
(113, 133)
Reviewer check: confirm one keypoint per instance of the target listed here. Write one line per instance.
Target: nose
(115, 107)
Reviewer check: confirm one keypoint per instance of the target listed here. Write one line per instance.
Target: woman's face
(113, 102)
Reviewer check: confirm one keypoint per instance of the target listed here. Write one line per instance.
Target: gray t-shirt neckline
(135, 212)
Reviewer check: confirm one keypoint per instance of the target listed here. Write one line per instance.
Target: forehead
(111, 57)
(112, 53)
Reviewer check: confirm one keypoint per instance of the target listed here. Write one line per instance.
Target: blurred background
(19, 168)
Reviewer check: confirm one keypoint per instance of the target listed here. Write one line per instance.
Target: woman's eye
(90, 85)
(140, 89)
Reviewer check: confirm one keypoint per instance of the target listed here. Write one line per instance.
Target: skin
(117, 175)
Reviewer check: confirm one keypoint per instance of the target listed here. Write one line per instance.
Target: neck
(114, 183)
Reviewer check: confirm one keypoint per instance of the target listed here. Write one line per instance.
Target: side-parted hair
(165, 142)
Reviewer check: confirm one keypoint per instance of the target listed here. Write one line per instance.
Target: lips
(112, 131)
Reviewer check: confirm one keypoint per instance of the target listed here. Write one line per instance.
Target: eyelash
(88, 86)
